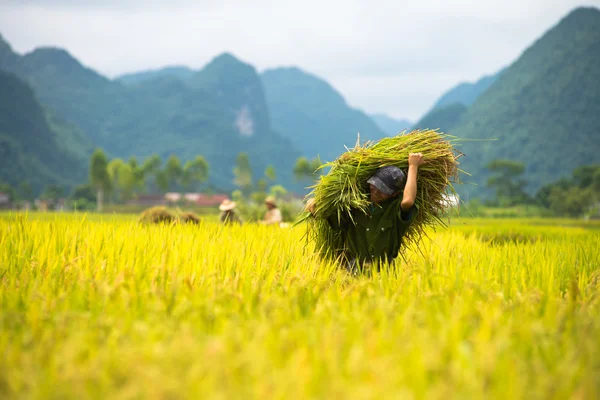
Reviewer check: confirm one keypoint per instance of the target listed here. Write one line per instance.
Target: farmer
(375, 237)
(273, 214)
(228, 215)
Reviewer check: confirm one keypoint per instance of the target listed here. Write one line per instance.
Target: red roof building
(204, 200)
(149, 200)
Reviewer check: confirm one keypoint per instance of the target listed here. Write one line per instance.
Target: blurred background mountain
(542, 110)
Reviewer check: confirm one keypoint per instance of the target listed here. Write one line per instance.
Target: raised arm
(415, 160)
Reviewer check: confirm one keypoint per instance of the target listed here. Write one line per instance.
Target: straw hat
(227, 205)
(270, 200)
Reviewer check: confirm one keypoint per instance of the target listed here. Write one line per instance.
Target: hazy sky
(390, 56)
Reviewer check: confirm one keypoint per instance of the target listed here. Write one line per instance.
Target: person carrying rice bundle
(379, 197)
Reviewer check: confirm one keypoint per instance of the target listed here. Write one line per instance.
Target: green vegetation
(32, 146)
(540, 111)
(466, 93)
(577, 196)
(508, 182)
(99, 178)
(219, 111)
(444, 118)
(573, 197)
(543, 110)
(307, 170)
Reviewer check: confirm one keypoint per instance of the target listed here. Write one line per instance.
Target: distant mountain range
(313, 115)
(543, 110)
(302, 107)
(389, 125)
(179, 72)
(217, 112)
(444, 118)
(448, 110)
(466, 92)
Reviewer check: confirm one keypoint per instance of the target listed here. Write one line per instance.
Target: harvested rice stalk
(162, 215)
(158, 215)
(344, 187)
(190, 218)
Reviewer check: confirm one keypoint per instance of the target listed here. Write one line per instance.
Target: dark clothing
(229, 217)
(376, 236)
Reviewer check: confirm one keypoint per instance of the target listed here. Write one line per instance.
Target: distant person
(228, 215)
(273, 214)
(375, 237)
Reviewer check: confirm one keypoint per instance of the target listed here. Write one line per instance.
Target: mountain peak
(5, 48)
(581, 13)
(581, 19)
(225, 67)
(4, 43)
(226, 57)
(9, 60)
(236, 84)
(226, 62)
(53, 55)
(181, 72)
(294, 79)
(58, 65)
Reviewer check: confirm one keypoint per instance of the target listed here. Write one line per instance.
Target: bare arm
(415, 160)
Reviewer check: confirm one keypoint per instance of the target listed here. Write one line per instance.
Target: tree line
(571, 196)
(118, 180)
(121, 180)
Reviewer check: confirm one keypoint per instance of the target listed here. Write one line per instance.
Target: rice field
(103, 307)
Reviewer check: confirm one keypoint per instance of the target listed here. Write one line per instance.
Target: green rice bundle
(345, 187)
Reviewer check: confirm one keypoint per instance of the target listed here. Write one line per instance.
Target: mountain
(445, 118)
(239, 90)
(544, 110)
(81, 96)
(313, 115)
(9, 60)
(179, 72)
(390, 125)
(466, 92)
(217, 112)
(32, 141)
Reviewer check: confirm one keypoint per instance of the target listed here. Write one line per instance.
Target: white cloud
(383, 56)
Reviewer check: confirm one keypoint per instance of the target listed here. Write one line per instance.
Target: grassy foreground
(107, 308)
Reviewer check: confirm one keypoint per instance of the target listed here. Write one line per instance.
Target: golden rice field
(102, 307)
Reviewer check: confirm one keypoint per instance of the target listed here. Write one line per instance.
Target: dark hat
(388, 180)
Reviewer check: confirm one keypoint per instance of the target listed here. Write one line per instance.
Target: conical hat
(227, 205)
(270, 200)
